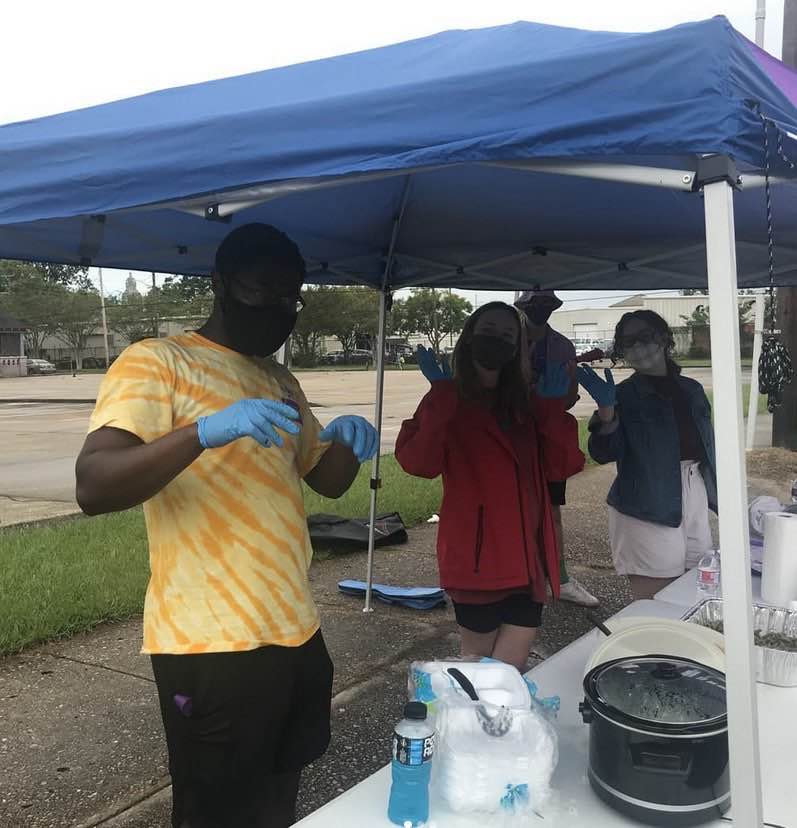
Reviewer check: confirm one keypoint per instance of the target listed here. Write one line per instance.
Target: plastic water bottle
(708, 576)
(413, 749)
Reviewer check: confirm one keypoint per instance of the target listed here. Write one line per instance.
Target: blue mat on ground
(421, 598)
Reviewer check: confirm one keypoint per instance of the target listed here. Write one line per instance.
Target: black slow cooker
(658, 743)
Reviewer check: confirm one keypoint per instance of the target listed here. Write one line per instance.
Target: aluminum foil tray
(778, 667)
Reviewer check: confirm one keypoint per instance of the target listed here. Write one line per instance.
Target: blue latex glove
(554, 382)
(256, 418)
(430, 368)
(356, 433)
(603, 392)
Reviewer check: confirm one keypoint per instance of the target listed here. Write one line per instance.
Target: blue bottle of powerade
(413, 749)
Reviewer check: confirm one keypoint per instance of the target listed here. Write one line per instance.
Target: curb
(48, 400)
(44, 521)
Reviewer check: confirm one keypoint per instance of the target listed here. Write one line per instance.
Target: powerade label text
(412, 751)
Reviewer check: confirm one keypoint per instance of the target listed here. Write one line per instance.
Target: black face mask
(256, 331)
(538, 314)
(492, 352)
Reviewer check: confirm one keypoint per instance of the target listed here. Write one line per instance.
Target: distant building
(12, 347)
(131, 292)
(586, 326)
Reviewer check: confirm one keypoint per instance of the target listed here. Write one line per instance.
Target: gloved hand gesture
(603, 392)
(356, 433)
(430, 368)
(554, 382)
(256, 418)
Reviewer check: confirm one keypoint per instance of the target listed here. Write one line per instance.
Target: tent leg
(752, 408)
(745, 765)
(380, 392)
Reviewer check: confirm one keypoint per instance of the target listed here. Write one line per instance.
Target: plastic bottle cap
(415, 710)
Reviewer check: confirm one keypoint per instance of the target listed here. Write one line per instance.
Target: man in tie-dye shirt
(214, 438)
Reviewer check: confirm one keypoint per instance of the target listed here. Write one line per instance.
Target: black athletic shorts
(517, 609)
(240, 727)
(556, 489)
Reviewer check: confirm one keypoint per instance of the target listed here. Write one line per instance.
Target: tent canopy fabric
(330, 151)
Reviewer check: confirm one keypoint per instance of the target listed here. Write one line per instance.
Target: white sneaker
(574, 593)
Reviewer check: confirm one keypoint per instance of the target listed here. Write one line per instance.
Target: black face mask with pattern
(256, 331)
(492, 352)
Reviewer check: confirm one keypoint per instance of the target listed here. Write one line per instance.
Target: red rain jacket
(482, 543)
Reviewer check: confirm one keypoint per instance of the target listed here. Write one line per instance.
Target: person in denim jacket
(656, 426)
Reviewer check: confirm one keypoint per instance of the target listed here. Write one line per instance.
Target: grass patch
(583, 439)
(64, 577)
(416, 499)
(762, 400)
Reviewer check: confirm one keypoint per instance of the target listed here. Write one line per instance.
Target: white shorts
(655, 551)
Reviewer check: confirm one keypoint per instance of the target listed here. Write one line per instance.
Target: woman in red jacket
(485, 434)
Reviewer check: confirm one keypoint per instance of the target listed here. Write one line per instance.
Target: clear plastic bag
(494, 681)
(507, 774)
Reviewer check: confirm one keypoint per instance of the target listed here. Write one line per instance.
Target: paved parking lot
(41, 437)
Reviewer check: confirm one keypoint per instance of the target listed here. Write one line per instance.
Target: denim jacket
(643, 441)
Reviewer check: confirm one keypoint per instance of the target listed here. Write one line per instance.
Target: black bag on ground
(333, 530)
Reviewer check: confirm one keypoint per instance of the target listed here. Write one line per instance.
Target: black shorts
(556, 489)
(518, 609)
(254, 719)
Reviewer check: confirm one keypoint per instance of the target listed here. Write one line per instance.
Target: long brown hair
(514, 381)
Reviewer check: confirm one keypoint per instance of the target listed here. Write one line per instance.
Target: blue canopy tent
(490, 159)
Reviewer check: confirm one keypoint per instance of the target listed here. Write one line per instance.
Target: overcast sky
(60, 55)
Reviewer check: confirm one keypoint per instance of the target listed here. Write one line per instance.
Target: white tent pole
(380, 392)
(752, 408)
(745, 765)
(380, 387)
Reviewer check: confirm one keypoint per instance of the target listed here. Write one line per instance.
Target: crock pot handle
(585, 710)
(651, 757)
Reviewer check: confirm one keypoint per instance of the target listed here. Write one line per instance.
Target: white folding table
(574, 804)
(684, 591)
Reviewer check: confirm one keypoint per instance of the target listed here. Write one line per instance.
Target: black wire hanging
(775, 370)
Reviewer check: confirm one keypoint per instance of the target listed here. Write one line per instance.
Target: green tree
(434, 313)
(38, 303)
(701, 319)
(186, 289)
(13, 272)
(353, 315)
(78, 320)
(130, 319)
(312, 323)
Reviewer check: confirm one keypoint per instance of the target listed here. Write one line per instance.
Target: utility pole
(155, 321)
(760, 21)
(104, 324)
(784, 426)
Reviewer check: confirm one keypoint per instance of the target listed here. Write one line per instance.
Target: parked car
(95, 362)
(332, 358)
(357, 356)
(40, 366)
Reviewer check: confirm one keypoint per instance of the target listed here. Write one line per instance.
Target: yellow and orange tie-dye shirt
(228, 543)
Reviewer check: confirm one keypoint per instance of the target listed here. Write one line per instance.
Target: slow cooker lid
(662, 690)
